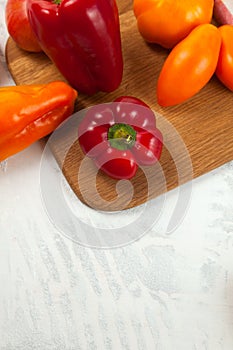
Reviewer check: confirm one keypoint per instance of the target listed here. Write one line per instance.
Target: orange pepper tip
(61, 84)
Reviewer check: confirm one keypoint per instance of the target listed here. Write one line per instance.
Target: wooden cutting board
(198, 134)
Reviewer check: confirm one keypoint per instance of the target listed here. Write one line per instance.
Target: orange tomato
(166, 22)
(189, 66)
(224, 70)
(18, 25)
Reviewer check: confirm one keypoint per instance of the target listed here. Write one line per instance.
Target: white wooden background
(163, 292)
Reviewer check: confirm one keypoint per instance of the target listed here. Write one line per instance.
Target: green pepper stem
(121, 136)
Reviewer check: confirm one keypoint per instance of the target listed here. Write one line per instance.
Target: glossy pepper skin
(189, 66)
(121, 136)
(31, 112)
(82, 38)
(166, 22)
(224, 70)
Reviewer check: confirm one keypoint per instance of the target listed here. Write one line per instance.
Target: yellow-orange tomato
(166, 22)
(224, 70)
(189, 66)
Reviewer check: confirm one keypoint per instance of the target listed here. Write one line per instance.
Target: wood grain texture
(200, 128)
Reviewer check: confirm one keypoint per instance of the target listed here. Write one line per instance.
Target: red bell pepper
(82, 38)
(121, 136)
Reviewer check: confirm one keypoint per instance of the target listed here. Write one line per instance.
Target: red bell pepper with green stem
(121, 136)
(82, 38)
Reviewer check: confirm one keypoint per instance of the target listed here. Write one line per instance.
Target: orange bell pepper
(189, 66)
(166, 22)
(31, 112)
(224, 70)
